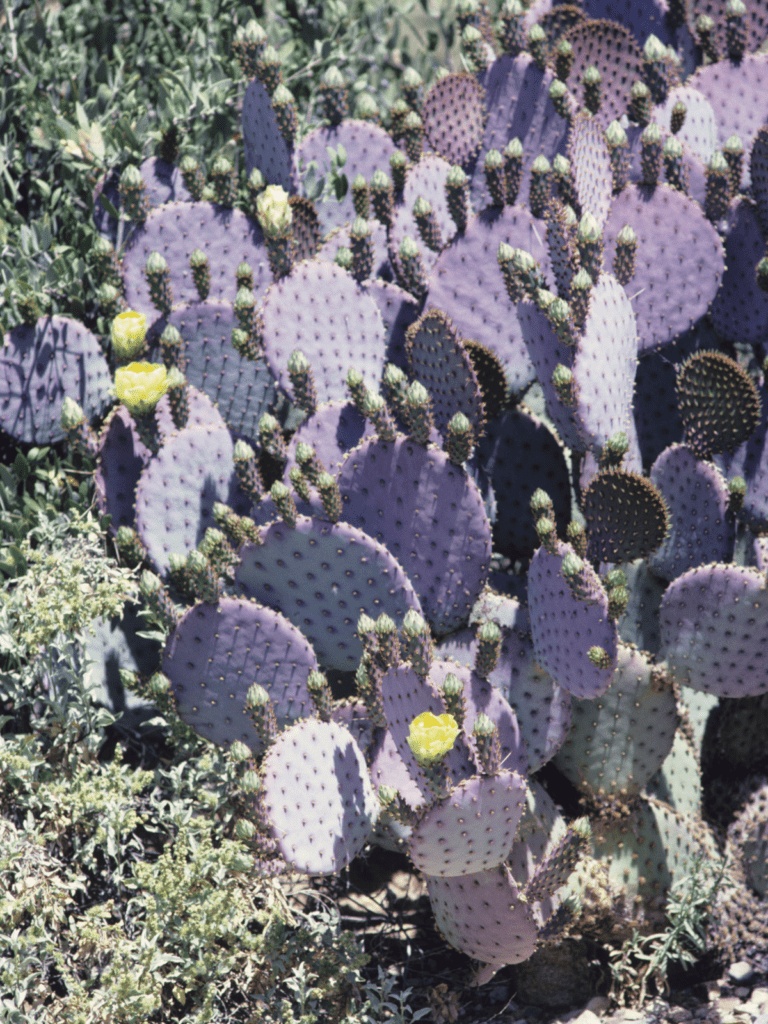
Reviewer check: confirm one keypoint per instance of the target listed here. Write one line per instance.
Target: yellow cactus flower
(432, 736)
(140, 386)
(274, 213)
(128, 332)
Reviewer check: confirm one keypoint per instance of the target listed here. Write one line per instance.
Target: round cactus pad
(679, 262)
(601, 756)
(242, 389)
(177, 490)
(481, 914)
(426, 179)
(318, 796)
(217, 652)
(518, 105)
(472, 829)
(611, 48)
(263, 141)
(368, 148)
(714, 630)
(323, 576)
(467, 285)
(175, 230)
(398, 310)
(565, 626)
(40, 366)
(429, 514)
(321, 310)
(738, 92)
(202, 413)
(454, 117)
(696, 495)
(699, 131)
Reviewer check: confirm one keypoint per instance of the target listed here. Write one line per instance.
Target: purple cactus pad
(430, 515)
(318, 796)
(40, 366)
(216, 653)
(263, 141)
(323, 576)
(120, 461)
(175, 230)
(333, 430)
(740, 309)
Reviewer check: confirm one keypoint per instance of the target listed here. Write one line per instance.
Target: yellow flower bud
(275, 215)
(432, 736)
(128, 332)
(140, 386)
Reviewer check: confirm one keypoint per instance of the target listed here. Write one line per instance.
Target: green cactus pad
(472, 829)
(620, 739)
(322, 576)
(214, 655)
(318, 796)
(678, 781)
(714, 630)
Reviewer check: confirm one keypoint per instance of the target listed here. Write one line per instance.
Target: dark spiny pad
(333, 430)
(696, 495)
(618, 740)
(520, 454)
(321, 310)
(738, 93)
(368, 149)
(590, 166)
(179, 487)
(714, 628)
(243, 389)
(565, 627)
(265, 147)
(40, 366)
(175, 230)
(215, 654)
(454, 117)
(626, 516)
(518, 104)
(467, 284)
(610, 48)
(481, 914)
(438, 359)
(718, 401)
(679, 263)
(318, 796)
(641, 19)
(322, 576)
(472, 829)
(425, 179)
(740, 308)
(758, 164)
(429, 514)
(120, 460)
